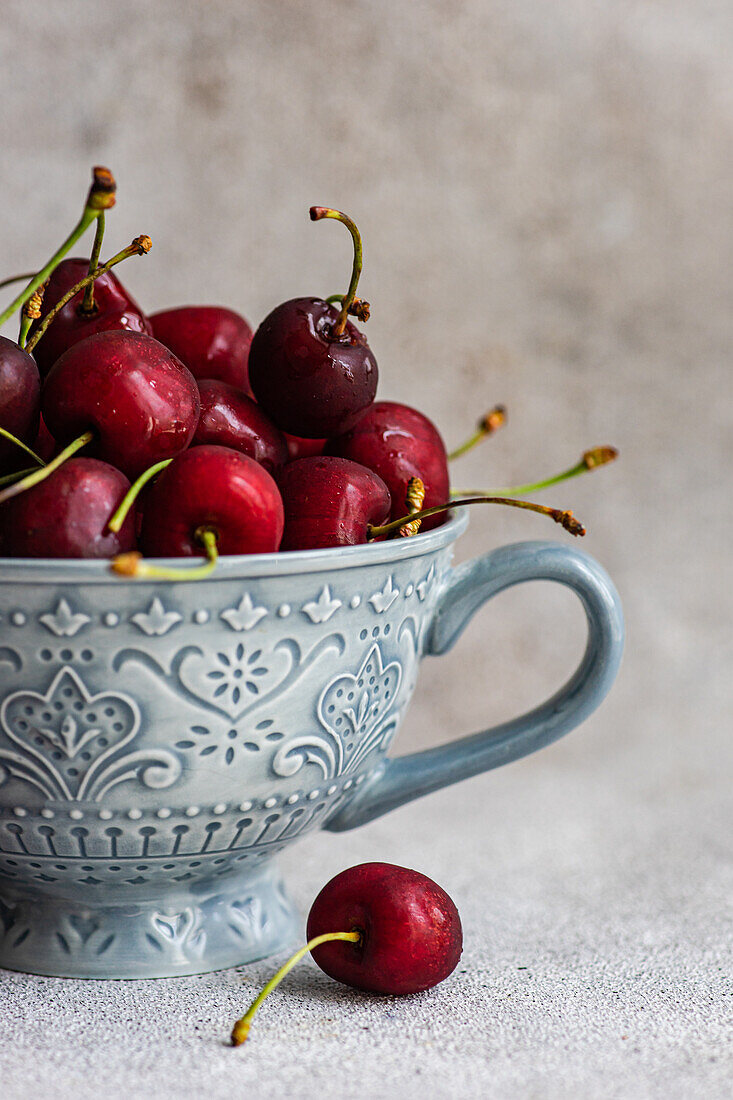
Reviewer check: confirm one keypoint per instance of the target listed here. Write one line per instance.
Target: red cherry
(140, 401)
(45, 445)
(216, 489)
(398, 443)
(330, 502)
(231, 419)
(113, 309)
(303, 448)
(20, 389)
(311, 382)
(212, 341)
(411, 935)
(380, 928)
(66, 515)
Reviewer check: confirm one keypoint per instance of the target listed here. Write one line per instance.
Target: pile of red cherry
(240, 443)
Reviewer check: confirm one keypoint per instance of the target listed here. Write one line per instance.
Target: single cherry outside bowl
(162, 741)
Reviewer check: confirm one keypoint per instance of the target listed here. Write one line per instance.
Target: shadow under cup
(160, 741)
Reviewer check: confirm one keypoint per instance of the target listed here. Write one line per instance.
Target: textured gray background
(545, 196)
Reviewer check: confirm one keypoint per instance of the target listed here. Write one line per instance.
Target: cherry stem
(599, 456)
(46, 471)
(359, 308)
(101, 197)
(8, 479)
(240, 1031)
(17, 279)
(565, 519)
(486, 426)
(133, 565)
(318, 212)
(31, 312)
(87, 305)
(414, 498)
(119, 517)
(23, 446)
(139, 247)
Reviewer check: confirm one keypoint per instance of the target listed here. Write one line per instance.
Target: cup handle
(467, 588)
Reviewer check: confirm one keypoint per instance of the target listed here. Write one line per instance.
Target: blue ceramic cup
(161, 741)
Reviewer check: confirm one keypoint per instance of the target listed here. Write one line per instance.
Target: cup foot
(209, 927)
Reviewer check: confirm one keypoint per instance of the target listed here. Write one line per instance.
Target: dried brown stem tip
(360, 309)
(493, 420)
(102, 192)
(142, 244)
(599, 456)
(32, 308)
(126, 564)
(569, 522)
(414, 499)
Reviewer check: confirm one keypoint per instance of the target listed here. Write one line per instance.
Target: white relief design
(64, 622)
(233, 678)
(382, 601)
(156, 621)
(357, 712)
(67, 743)
(245, 615)
(424, 586)
(321, 610)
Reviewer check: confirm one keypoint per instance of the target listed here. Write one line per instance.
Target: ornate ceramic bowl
(160, 742)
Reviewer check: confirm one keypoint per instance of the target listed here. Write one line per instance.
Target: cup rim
(240, 566)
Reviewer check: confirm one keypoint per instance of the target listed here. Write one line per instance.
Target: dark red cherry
(330, 502)
(212, 341)
(66, 515)
(231, 419)
(398, 443)
(411, 935)
(303, 448)
(45, 445)
(138, 399)
(20, 389)
(114, 308)
(312, 383)
(217, 489)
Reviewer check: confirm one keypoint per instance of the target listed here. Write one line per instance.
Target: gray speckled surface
(597, 963)
(544, 192)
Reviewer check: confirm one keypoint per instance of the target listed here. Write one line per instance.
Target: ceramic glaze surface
(161, 741)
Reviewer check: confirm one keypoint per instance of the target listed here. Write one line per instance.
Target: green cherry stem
(565, 519)
(139, 247)
(8, 479)
(17, 279)
(31, 312)
(23, 446)
(318, 212)
(599, 456)
(119, 517)
(359, 308)
(240, 1031)
(46, 471)
(101, 197)
(132, 564)
(486, 426)
(87, 305)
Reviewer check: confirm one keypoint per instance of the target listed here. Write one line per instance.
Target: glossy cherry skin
(303, 448)
(330, 502)
(311, 383)
(140, 401)
(114, 308)
(219, 489)
(212, 341)
(20, 391)
(411, 931)
(398, 443)
(66, 515)
(45, 445)
(231, 419)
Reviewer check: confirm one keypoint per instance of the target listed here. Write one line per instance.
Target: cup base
(212, 926)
